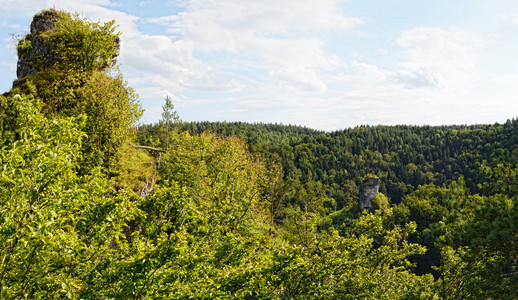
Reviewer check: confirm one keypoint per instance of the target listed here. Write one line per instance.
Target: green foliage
(478, 241)
(503, 178)
(24, 47)
(55, 227)
(136, 169)
(381, 201)
(368, 263)
(205, 227)
(369, 175)
(81, 45)
(71, 81)
(425, 206)
(251, 211)
(220, 174)
(169, 120)
(111, 108)
(403, 157)
(202, 238)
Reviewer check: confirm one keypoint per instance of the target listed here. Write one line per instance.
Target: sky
(323, 64)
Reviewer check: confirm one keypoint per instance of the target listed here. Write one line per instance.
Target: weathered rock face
(44, 21)
(35, 54)
(368, 191)
(36, 51)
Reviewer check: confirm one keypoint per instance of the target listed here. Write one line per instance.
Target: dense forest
(93, 206)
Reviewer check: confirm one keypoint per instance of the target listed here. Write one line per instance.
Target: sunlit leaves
(82, 45)
(56, 227)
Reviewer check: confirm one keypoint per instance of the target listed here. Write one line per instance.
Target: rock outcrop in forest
(267, 214)
(36, 53)
(368, 192)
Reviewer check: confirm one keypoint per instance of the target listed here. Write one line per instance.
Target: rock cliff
(34, 52)
(368, 192)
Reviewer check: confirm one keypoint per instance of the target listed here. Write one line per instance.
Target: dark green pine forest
(95, 205)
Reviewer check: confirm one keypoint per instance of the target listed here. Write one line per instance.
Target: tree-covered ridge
(403, 157)
(91, 209)
(203, 232)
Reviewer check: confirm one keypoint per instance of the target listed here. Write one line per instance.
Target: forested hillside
(403, 157)
(93, 207)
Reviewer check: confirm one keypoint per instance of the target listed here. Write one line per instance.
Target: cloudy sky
(324, 64)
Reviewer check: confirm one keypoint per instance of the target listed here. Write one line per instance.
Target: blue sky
(325, 64)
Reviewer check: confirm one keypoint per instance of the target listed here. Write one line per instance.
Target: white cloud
(429, 82)
(366, 76)
(268, 17)
(279, 39)
(513, 18)
(259, 30)
(431, 79)
(30, 7)
(159, 61)
(438, 57)
(299, 78)
(268, 61)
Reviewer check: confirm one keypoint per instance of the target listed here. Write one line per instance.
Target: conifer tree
(169, 119)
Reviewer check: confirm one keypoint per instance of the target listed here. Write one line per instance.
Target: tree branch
(148, 148)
